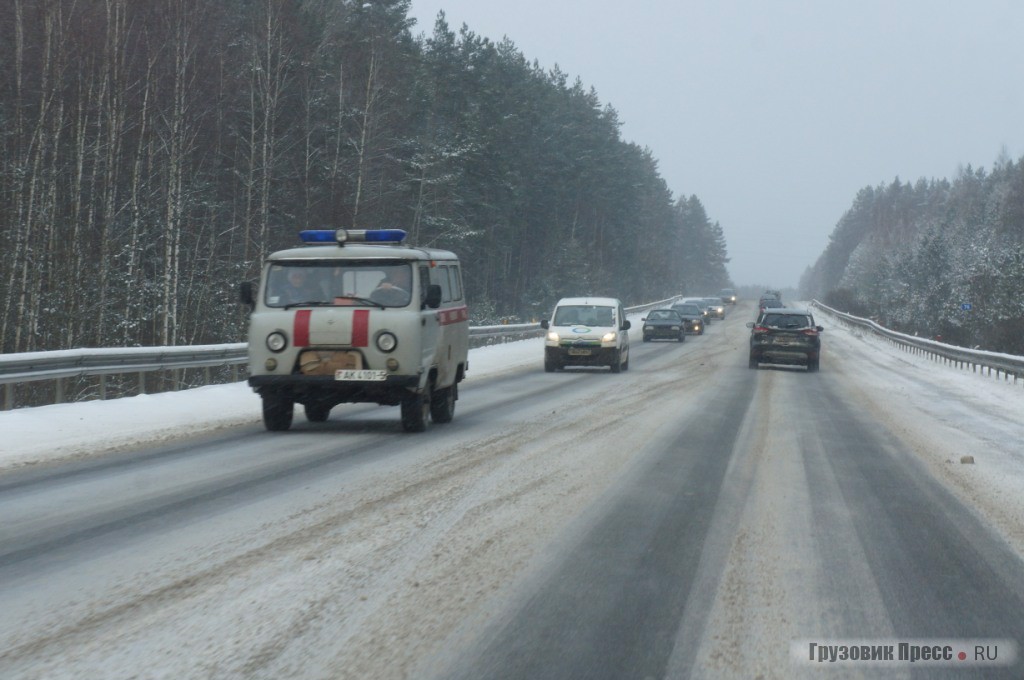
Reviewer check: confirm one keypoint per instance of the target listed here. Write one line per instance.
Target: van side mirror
(626, 325)
(245, 294)
(544, 324)
(433, 299)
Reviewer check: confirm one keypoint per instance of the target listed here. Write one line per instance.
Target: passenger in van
(298, 287)
(395, 288)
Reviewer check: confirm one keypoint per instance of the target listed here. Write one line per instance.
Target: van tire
(316, 413)
(415, 411)
(277, 412)
(442, 404)
(550, 365)
(617, 362)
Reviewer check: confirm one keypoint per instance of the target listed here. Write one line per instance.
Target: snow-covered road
(348, 549)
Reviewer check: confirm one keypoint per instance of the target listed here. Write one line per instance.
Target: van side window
(425, 281)
(453, 274)
(442, 279)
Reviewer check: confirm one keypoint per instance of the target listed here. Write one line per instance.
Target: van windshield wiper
(308, 303)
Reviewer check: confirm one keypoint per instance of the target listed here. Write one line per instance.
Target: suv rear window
(786, 320)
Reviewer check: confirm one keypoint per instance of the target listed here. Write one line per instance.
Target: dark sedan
(693, 317)
(663, 324)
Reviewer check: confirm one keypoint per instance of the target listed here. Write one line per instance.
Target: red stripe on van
(361, 328)
(301, 329)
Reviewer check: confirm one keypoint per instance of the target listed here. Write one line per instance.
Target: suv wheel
(812, 365)
(753, 362)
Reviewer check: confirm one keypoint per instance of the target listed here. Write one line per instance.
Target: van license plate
(350, 374)
(573, 352)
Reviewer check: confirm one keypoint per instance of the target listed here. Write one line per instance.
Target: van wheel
(550, 365)
(415, 411)
(442, 404)
(617, 362)
(317, 413)
(277, 412)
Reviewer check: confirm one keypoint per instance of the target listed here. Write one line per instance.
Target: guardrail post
(142, 382)
(103, 387)
(8, 396)
(60, 391)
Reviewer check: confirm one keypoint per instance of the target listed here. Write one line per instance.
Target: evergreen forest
(153, 152)
(939, 259)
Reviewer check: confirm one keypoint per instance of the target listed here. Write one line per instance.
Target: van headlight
(553, 336)
(386, 341)
(610, 336)
(277, 341)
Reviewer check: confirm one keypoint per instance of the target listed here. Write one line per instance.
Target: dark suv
(785, 336)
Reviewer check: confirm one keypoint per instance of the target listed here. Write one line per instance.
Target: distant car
(702, 304)
(664, 324)
(715, 307)
(692, 315)
(784, 335)
(769, 303)
(728, 296)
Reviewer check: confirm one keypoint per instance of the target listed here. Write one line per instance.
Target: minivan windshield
(584, 315)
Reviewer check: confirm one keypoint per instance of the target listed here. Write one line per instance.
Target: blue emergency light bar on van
(343, 236)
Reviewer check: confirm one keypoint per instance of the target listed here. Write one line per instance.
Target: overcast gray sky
(775, 113)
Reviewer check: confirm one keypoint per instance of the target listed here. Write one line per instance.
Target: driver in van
(395, 288)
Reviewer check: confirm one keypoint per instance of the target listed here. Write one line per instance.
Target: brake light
(810, 331)
(760, 329)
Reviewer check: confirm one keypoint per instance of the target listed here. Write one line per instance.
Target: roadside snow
(47, 434)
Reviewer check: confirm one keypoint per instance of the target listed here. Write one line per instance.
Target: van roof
(598, 301)
(358, 251)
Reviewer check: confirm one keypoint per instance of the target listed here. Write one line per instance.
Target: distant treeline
(933, 258)
(152, 152)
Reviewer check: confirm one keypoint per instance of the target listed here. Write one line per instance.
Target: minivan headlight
(553, 336)
(610, 336)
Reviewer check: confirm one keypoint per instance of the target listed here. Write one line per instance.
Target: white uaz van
(355, 316)
(587, 331)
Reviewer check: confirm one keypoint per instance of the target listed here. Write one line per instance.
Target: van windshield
(584, 315)
(386, 283)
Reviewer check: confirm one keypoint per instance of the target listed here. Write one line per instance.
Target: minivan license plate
(579, 352)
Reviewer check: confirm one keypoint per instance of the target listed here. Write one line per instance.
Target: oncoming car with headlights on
(357, 316)
(664, 324)
(587, 332)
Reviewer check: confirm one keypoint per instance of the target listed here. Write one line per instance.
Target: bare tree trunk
(364, 135)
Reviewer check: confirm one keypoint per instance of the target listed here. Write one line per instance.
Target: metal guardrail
(1003, 366)
(62, 365)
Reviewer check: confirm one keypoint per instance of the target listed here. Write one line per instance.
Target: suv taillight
(810, 331)
(760, 329)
